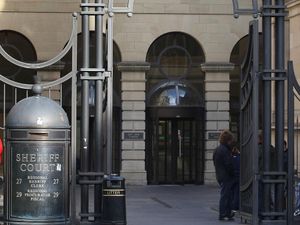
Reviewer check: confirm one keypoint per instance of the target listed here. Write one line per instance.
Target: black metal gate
(12, 92)
(249, 126)
(293, 147)
(267, 187)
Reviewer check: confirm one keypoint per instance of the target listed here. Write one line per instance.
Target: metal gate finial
(37, 89)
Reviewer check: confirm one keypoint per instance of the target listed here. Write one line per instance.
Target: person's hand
(235, 150)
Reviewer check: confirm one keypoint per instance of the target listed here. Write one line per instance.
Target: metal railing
(12, 92)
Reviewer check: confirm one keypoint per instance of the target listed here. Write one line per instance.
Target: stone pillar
(217, 96)
(133, 121)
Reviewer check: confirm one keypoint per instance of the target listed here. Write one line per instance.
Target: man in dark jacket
(225, 173)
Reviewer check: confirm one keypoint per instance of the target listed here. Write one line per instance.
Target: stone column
(133, 98)
(217, 96)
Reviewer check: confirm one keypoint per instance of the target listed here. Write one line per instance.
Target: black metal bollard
(36, 164)
(114, 202)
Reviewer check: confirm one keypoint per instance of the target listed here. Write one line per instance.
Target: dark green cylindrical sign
(36, 163)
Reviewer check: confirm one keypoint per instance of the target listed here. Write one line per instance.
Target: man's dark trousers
(225, 205)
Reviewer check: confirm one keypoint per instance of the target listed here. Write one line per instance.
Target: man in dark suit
(225, 173)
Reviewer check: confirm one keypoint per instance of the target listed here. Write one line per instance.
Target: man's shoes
(231, 215)
(297, 212)
(227, 217)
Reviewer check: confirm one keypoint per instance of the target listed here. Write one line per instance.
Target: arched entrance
(175, 110)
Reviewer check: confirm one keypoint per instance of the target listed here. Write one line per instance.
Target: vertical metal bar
(6, 153)
(168, 140)
(16, 95)
(183, 149)
(4, 111)
(267, 46)
(49, 92)
(297, 144)
(255, 7)
(73, 124)
(85, 113)
(61, 94)
(191, 139)
(235, 4)
(155, 149)
(98, 110)
(255, 120)
(26, 93)
(279, 99)
(109, 89)
(290, 187)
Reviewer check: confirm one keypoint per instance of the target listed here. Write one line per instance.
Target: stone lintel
(133, 66)
(217, 67)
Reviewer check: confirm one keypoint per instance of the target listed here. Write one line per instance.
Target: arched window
(172, 93)
(175, 71)
(19, 47)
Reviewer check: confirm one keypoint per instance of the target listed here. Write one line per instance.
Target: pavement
(174, 205)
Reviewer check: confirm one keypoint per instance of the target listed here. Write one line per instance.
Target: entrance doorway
(175, 156)
(175, 110)
(175, 149)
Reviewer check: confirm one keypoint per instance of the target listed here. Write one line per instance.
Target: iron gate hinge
(101, 74)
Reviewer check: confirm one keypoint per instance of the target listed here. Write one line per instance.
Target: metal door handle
(179, 143)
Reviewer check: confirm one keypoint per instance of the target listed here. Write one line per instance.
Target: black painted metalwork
(37, 163)
(237, 10)
(249, 127)
(98, 160)
(114, 201)
(12, 93)
(267, 65)
(293, 197)
(93, 80)
(94, 96)
(84, 140)
(268, 177)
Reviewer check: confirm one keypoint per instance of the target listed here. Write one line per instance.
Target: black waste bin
(113, 200)
(36, 163)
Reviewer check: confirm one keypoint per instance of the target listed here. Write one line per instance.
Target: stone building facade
(178, 77)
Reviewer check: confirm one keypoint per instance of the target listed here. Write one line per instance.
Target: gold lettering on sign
(113, 192)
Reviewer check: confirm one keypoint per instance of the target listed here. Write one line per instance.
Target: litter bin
(113, 200)
(36, 163)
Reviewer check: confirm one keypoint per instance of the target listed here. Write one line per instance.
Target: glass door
(176, 151)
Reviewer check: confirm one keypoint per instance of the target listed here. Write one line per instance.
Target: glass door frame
(172, 114)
